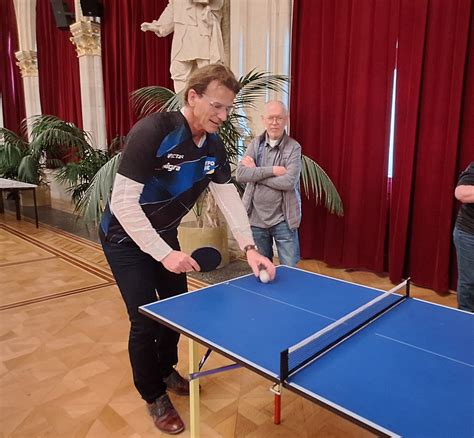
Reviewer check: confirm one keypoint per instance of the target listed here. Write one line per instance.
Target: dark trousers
(464, 243)
(153, 348)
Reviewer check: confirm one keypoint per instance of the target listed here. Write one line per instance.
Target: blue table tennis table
(408, 372)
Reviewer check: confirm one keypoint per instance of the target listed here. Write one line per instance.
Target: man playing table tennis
(168, 161)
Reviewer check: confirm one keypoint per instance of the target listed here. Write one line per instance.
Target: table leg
(194, 388)
(16, 195)
(2, 207)
(276, 389)
(36, 207)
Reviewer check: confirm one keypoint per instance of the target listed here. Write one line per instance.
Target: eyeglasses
(275, 119)
(219, 107)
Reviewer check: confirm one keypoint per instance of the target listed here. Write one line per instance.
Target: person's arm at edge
(229, 202)
(465, 194)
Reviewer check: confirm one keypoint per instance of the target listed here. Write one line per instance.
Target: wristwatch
(249, 247)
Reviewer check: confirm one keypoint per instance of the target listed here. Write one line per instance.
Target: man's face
(211, 108)
(274, 119)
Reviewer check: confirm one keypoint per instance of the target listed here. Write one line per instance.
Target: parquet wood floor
(64, 369)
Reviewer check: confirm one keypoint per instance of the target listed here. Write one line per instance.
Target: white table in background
(15, 187)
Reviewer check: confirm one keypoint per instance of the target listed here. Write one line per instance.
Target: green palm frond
(155, 98)
(117, 144)
(51, 134)
(316, 182)
(44, 122)
(233, 132)
(255, 87)
(12, 150)
(77, 176)
(95, 198)
(30, 170)
(8, 137)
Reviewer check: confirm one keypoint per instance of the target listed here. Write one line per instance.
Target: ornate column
(260, 38)
(225, 28)
(260, 34)
(25, 11)
(86, 38)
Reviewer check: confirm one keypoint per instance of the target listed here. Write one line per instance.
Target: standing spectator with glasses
(168, 161)
(271, 168)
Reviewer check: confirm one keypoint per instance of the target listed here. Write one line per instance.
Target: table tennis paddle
(207, 257)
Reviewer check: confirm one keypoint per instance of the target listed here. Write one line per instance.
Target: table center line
(424, 350)
(283, 302)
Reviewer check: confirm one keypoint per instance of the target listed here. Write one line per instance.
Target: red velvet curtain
(466, 139)
(433, 137)
(59, 81)
(131, 58)
(343, 56)
(11, 83)
(342, 65)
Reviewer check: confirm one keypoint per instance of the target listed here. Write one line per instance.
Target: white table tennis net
(317, 344)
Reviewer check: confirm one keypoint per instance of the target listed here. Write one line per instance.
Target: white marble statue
(197, 39)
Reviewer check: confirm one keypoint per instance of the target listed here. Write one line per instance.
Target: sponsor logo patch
(177, 156)
(171, 167)
(210, 165)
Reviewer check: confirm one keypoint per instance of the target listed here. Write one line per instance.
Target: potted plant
(13, 148)
(57, 149)
(27, 161)
(78, 175)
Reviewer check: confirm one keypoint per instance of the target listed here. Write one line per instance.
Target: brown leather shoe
(177, 384)
(165, 416)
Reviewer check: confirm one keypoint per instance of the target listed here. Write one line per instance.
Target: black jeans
(153, 348)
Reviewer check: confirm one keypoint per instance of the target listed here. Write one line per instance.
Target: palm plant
(233, 132)
(94, 199)
(13, 148)
(53, 141)
(84, 160)
(77, 175)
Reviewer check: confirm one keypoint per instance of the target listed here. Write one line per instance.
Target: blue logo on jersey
(210, 165)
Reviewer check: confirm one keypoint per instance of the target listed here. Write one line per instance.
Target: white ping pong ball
(264, 277)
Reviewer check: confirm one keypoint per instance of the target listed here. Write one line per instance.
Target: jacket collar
(263, 138)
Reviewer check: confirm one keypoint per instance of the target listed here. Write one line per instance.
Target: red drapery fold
(59, 81)
(466, 139)
(343, 56)
(432, 66)
(131, 58)
(11, 83)
(341, 79)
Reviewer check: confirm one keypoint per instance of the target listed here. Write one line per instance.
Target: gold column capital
(86, 38)
(28, 62)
